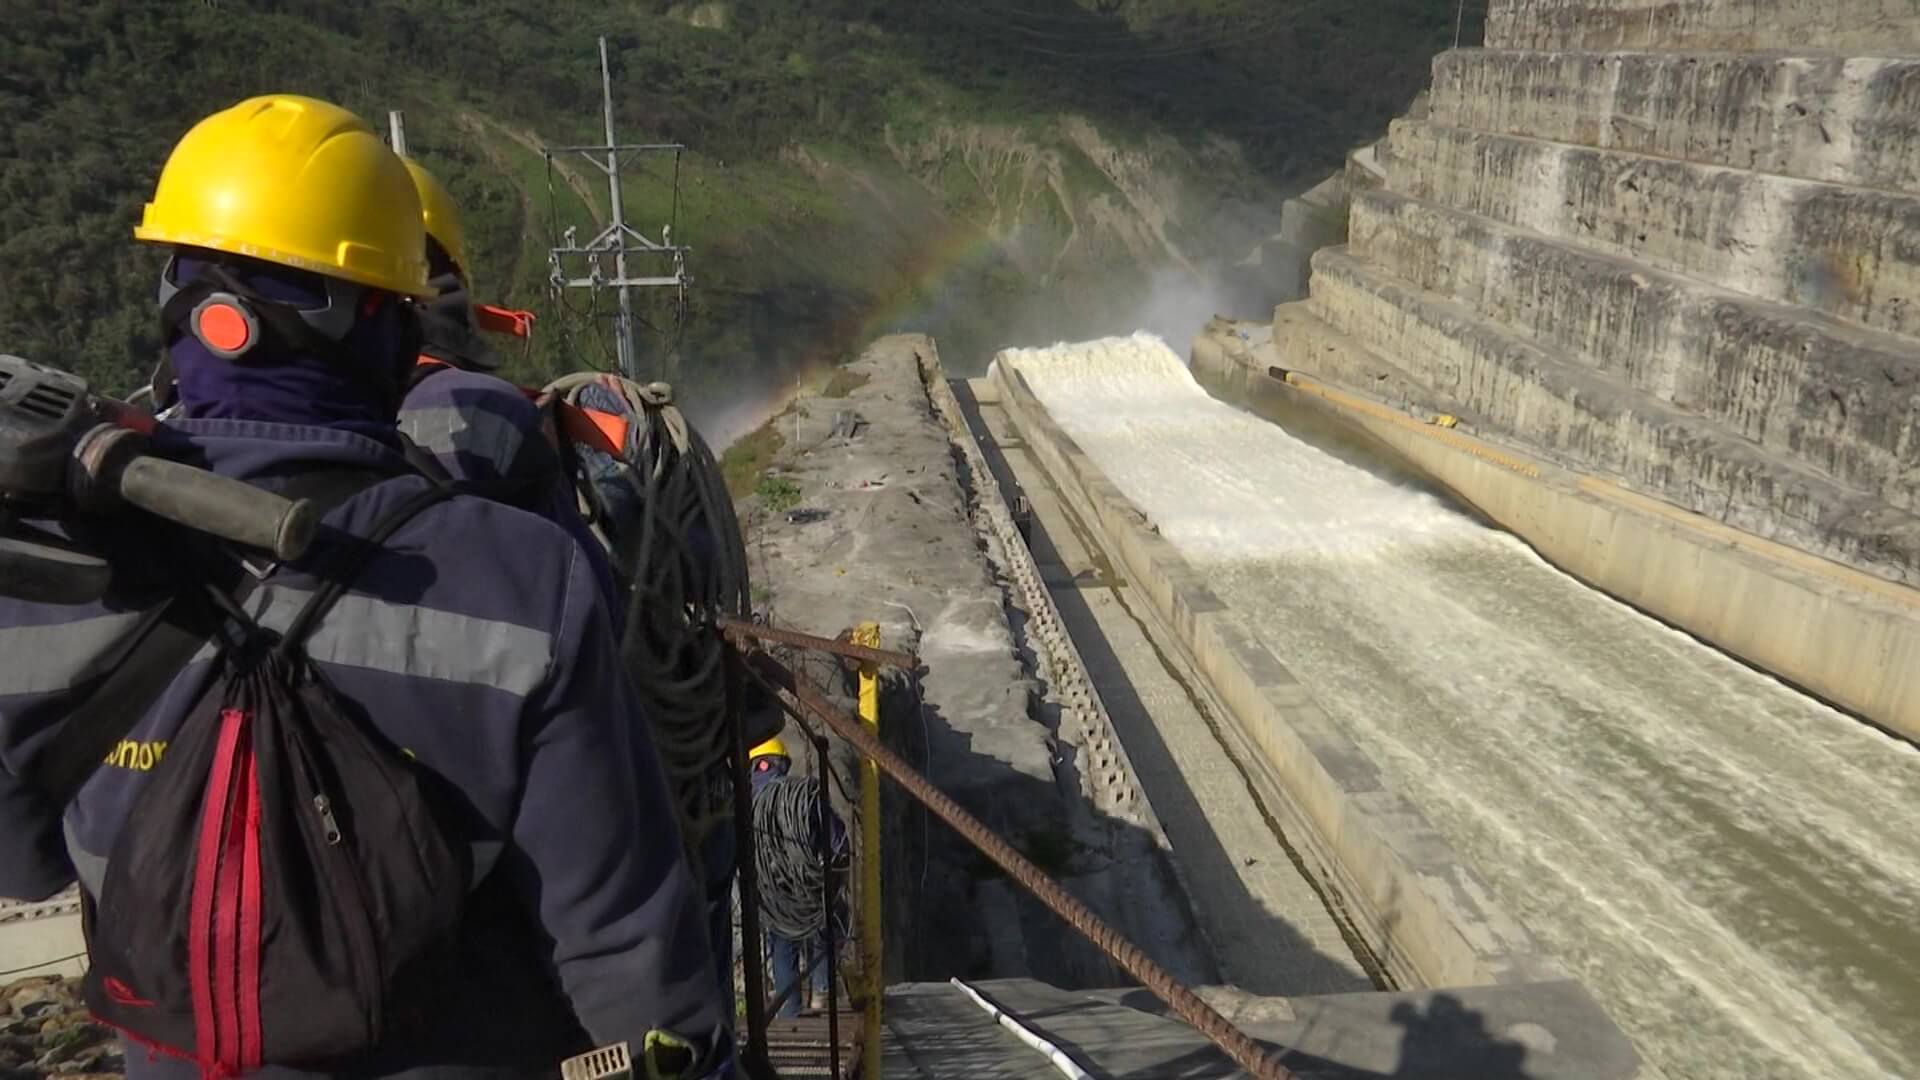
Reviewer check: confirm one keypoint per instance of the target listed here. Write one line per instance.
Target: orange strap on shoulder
(499, 320)
(592, 428)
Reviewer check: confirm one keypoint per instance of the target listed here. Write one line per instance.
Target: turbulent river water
(1730, 866)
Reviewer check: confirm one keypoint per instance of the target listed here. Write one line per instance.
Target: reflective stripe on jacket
(477, 640)
(491, 437)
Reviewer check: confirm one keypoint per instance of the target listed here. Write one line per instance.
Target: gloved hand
(667, 1056)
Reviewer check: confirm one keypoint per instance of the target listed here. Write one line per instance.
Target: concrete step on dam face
(1812, 115)
(1834, 250)
(1665, 242)
(1593, 418)
(1727, 864)
(1835, 400)
(1699, 24)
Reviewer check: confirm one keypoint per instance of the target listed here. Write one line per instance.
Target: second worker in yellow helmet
(489, 435)
(794, 961)
(448, 331)
(484, 430)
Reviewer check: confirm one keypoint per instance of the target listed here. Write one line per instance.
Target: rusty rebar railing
(742, 633)
(745, 632)
(1189, 1006)
(754, 1052)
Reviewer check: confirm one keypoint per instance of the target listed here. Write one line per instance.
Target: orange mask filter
(225, 325)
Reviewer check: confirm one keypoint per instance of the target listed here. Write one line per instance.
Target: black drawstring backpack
(286, 883)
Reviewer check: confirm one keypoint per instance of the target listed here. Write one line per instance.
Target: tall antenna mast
(617, 239)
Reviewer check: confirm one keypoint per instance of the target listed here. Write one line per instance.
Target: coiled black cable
(684, 564)
(787, 819)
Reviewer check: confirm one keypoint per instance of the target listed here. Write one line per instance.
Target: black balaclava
(355, 385)
(447, 328)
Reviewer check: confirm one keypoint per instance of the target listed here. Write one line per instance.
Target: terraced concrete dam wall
(1674, 244)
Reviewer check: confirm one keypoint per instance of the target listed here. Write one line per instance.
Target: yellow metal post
(868, 634)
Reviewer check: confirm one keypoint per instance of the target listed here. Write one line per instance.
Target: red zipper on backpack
(223, 942)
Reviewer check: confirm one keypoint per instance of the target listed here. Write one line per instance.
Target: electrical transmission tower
(618, 239)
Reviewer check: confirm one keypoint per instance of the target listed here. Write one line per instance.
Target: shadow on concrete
(1445, 1040)
(1450, 1040)
(968, 901)
(1309, 970)
(949, 912)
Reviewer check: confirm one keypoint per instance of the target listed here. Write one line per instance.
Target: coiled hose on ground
(677, 550)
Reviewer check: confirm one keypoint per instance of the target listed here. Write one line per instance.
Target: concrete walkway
(880, 527)
(41, 938)
(1546, 1031)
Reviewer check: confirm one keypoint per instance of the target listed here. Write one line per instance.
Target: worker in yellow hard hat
(296, 255)
(494, 438)
(450, 328)
(487, 432)
(294, 235)
(762, 756)
(446, 232)
(797, 963)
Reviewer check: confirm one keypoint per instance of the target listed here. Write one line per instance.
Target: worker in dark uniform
(493, 438)
(790, 958)
(483, 429)
(476, 636)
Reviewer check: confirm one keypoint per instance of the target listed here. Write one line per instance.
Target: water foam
(1728, 864)
(1118, 395)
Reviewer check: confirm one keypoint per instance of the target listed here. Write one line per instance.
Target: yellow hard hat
(770, 747)
(442, 217)
(295, 181)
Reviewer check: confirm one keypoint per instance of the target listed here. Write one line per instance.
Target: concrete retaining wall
(1309, 222)
(1151, 900)
(42, 938)
(1422, 911)
(1841, 634)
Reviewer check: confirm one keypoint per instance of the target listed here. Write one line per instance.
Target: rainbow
(960, 247)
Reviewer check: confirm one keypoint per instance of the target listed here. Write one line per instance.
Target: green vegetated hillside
(991, 171)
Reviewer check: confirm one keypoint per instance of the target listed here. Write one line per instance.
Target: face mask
(273, 354)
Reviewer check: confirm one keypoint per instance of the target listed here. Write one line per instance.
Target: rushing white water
(1730, 866)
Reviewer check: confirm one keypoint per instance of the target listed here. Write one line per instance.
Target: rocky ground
(45, 1031)
(866, 514)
